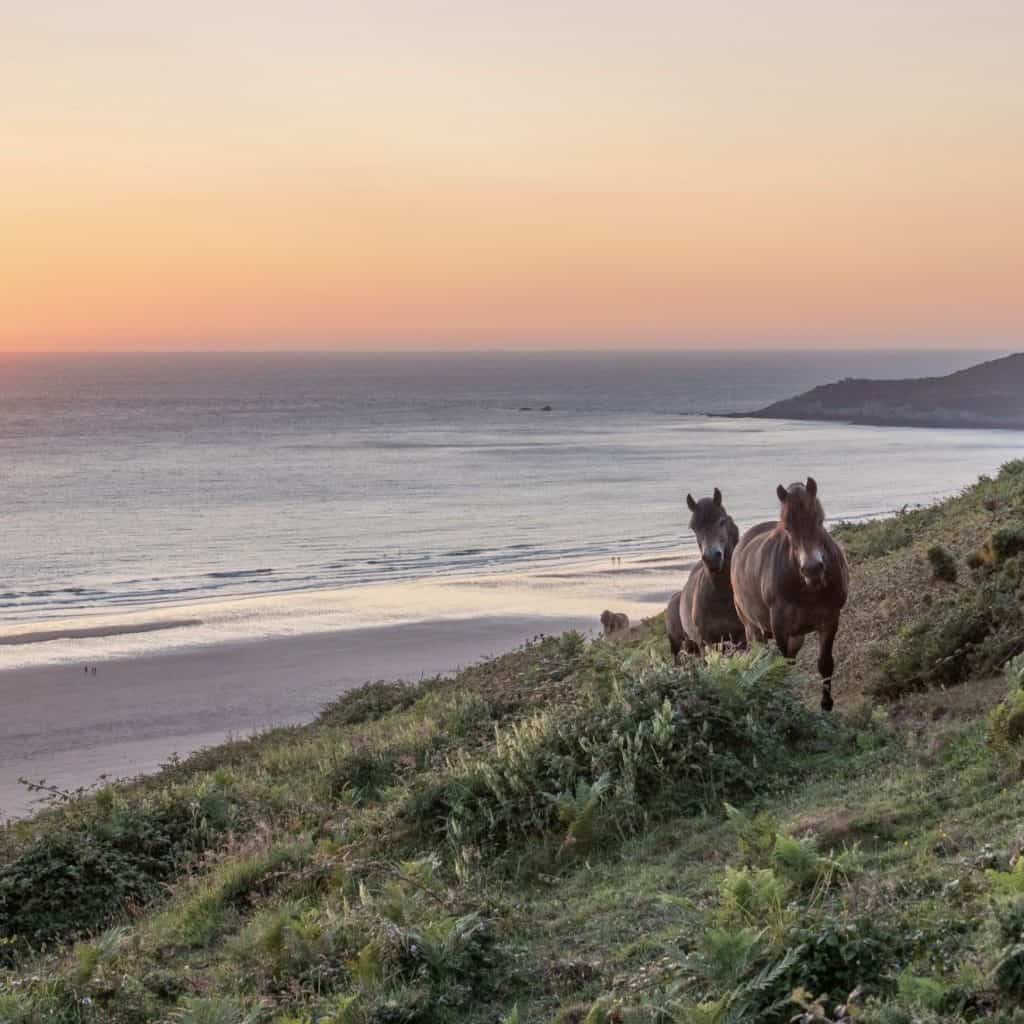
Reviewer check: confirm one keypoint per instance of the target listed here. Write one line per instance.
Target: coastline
(134, 713)
(851, 418)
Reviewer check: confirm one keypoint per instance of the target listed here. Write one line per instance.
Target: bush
(943, 564)
(1006, 723)
(1009, 970)
(878, 537)
(971, 633)
(1006, 543)
(665, 738)
(78, 874)
(370, 702)
(755, 980)
(837, 956)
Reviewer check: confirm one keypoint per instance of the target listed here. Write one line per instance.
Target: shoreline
(852, 419)
(70, 728)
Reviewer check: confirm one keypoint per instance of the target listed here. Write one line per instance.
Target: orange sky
(261, 175)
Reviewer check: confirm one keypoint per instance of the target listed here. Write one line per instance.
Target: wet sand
(69, 727)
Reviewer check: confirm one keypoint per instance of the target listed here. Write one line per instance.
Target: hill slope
(987, 395)
(581, 832)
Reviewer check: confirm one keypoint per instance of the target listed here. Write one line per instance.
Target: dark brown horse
(790, 578)
(702, 613)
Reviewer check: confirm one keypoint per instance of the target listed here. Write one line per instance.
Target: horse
(703, 613)
(614, 622)
(790, 578)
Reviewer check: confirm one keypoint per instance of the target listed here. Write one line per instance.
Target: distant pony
(790, 578)
(703, 613)
(614, 622)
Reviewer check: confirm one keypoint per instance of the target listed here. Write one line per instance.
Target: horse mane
(801, 514)
(734, 532)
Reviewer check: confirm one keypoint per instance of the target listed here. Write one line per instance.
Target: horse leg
(826, 664)
(676, 646)
(783, 640)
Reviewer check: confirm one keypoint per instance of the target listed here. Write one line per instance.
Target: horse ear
(691, 503)
(718, 496)
(782, 493)
(812, 486)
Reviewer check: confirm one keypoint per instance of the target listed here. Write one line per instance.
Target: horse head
(802, 519)
(716, 533)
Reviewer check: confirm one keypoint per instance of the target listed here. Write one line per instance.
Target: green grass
(578, 832)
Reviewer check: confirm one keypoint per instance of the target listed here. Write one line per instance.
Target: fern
(797, 862)
(757, 835)
(751, 897)
(604, 1011)
(93, 956)
(757, 993)
(926, 993)
(196, 1010)
(577, 810)
(728, 954)
(1008, 883)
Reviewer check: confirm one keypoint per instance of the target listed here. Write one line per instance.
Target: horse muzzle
(814, 578)
(714, 562)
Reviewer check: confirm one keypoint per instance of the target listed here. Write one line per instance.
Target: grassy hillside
(579, 832)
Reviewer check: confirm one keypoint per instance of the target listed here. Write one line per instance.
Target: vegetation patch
(658, 740)
(943, 564)
(86, 866)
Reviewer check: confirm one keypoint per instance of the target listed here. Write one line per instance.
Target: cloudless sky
(314, 174)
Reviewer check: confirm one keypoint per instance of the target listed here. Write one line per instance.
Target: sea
(152, 503)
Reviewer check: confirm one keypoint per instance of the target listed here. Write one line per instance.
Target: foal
(790, 578)
(702, 613)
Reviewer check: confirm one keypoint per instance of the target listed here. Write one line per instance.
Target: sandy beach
(69, 727)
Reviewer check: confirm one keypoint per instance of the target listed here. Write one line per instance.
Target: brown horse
(703, 613)
(790, 578)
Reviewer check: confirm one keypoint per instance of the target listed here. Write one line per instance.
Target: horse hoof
(826, 702)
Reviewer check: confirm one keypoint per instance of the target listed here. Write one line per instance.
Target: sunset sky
(325, 174)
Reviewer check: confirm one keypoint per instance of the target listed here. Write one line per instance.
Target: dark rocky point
(987, 395)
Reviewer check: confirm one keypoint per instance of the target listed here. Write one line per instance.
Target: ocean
(152, 503)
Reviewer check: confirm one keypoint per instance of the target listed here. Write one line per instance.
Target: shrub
(970, 633)
(943, 564)
(215, 903)
(680, 738)
(1006, 723)
(976, 560)
(1009, 970)
(876, 538)
(1006, 543)
(837, 956)
(1011, 884)
(370, 702)
(291, 946)
(79, 873)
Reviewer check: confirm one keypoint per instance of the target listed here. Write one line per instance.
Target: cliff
(986, 395)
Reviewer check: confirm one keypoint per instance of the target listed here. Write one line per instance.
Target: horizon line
(512, 350)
